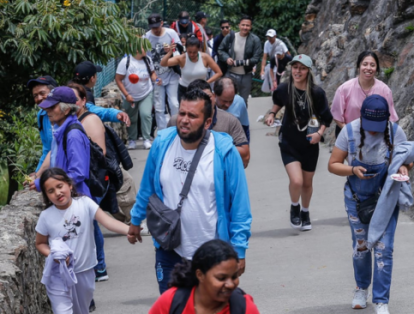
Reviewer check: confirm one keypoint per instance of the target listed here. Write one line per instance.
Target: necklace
(300, 100)
(369, 89)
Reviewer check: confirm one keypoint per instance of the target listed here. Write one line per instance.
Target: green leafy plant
(388, 72)
(21, 144)
(39, 37)
(409, 28)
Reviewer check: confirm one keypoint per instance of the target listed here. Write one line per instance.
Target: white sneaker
(360, 299)
(131, 144)
(381, 308)
(147, 144)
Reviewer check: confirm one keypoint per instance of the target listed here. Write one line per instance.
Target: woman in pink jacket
(346, 105)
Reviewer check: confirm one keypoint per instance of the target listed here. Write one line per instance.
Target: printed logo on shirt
(181, 164)
(71, 226)
(157, 54)
(137, 74)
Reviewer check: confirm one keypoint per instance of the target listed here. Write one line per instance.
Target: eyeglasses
(225, 27)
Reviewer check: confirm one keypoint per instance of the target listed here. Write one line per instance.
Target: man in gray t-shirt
(158, 37)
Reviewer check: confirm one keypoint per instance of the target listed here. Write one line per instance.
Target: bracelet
(272, 112)
(353, 170)
(319, 134)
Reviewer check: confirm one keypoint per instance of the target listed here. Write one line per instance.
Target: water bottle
(160, 273)
(313, 126)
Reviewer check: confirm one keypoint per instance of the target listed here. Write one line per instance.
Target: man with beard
(217, 205)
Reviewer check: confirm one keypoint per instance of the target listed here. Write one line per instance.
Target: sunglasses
(225, 27)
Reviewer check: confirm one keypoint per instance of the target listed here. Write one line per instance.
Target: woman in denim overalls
(373, 135)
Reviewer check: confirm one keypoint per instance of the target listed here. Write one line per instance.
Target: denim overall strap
(351, 141)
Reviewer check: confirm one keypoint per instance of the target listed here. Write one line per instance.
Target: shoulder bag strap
(193, 167)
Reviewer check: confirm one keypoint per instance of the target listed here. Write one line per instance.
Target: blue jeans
(164, 264)
(383, 253)
(159, 102)
(99, 243)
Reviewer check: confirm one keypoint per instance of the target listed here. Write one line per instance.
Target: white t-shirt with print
(157, 53)
(138, 89)
(199, 211)
(75, 226)
(270, 49)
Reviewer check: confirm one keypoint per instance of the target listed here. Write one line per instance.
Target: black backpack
(98, 174)
(116, 153)
(237, 301)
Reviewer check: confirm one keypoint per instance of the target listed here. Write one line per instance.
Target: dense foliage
(39, 37)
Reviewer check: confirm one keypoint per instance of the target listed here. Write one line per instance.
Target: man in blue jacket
(217, 205)
(40, 88)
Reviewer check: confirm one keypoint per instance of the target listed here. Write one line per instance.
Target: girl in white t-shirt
(70, 217)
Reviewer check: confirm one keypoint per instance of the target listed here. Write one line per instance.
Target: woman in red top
(206, 285)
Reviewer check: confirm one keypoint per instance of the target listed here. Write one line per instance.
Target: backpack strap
(180, 300)
(67, 130)
(351, 141)
(41, 122)
(147, 64)
(128, 61)
(237, 302)
(84, 115)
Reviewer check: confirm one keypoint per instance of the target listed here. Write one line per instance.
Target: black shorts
(308, 157)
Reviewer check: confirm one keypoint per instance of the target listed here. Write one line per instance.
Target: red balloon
(133, 78)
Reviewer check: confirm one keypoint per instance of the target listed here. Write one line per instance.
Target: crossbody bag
(163, 222)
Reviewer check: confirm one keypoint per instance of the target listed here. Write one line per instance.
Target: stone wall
(335, 32)
(21, 265)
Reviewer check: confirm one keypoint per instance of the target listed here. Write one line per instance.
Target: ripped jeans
(383, 253)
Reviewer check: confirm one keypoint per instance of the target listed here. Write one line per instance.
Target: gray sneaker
(360, 299)
(131, 144)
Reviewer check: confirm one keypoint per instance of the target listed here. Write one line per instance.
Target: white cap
(271, 33)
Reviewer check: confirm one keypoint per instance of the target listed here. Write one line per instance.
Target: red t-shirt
(163, 304)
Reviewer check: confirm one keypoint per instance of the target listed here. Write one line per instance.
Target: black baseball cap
(86, 69)
(184, 18)
(44, 80)
(201, 15)
(154, 20)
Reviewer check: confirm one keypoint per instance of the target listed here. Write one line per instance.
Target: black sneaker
(101, 275)
(306, 223)
(92, 306)
(295, 216)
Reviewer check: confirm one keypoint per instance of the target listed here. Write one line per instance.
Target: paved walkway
(287, 271)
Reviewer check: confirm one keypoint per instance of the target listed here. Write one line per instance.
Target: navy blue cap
(86, 69)
(375, 113)
(57, 95)
(44, 80)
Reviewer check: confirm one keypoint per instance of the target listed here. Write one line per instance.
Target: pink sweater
(347, 103)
